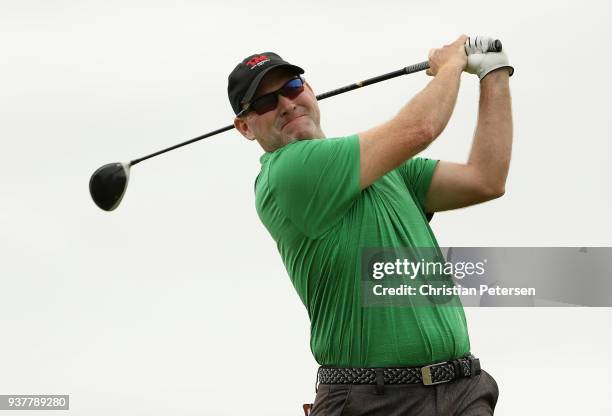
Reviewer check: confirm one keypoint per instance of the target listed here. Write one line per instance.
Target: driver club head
(108, 184)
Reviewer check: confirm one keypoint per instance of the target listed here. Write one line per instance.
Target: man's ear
(242, 126)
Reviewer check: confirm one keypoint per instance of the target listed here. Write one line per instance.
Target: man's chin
(305, 134)
(301, 129)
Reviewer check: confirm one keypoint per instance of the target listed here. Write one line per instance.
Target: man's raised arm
(483, 177)
(420, 122)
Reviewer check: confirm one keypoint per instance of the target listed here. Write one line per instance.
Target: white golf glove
(480, 63)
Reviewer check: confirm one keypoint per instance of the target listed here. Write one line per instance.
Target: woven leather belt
(437, 373)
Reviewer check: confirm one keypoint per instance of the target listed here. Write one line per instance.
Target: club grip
(482, 44)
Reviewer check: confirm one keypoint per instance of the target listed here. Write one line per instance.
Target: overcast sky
(156, 307)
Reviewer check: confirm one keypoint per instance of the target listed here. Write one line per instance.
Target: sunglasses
(268, 102)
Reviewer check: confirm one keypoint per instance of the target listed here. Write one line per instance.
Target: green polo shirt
(308, 197)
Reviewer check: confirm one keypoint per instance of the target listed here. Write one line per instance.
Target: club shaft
(404, 71)
(407, 70)
(176, 146)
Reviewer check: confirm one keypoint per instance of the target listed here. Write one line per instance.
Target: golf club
(108, 183)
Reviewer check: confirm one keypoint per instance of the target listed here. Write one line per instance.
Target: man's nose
(285, 105)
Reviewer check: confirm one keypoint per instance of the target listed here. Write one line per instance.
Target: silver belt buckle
(426, 374)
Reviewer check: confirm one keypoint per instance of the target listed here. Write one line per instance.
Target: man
(324, 200)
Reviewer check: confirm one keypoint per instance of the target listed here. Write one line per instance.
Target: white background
(177, 302)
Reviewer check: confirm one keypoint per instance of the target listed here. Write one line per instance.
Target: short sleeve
(417, 173)
(316, 181)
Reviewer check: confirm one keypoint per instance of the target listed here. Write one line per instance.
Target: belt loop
(475, 366)
(317, 380)
(380, 381)
(458, 369)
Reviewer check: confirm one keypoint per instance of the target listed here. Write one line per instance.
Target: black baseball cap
(245, 78)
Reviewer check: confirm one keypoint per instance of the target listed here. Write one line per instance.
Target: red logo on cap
(259, 59)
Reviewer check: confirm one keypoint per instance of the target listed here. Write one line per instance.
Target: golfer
(325, 199)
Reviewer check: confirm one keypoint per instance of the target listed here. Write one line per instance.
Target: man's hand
(483, 63)
(450, 55)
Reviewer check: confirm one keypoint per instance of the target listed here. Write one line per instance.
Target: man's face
(292, 119)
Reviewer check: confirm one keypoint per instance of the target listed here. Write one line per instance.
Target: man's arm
(387, 146)
(483, 177)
